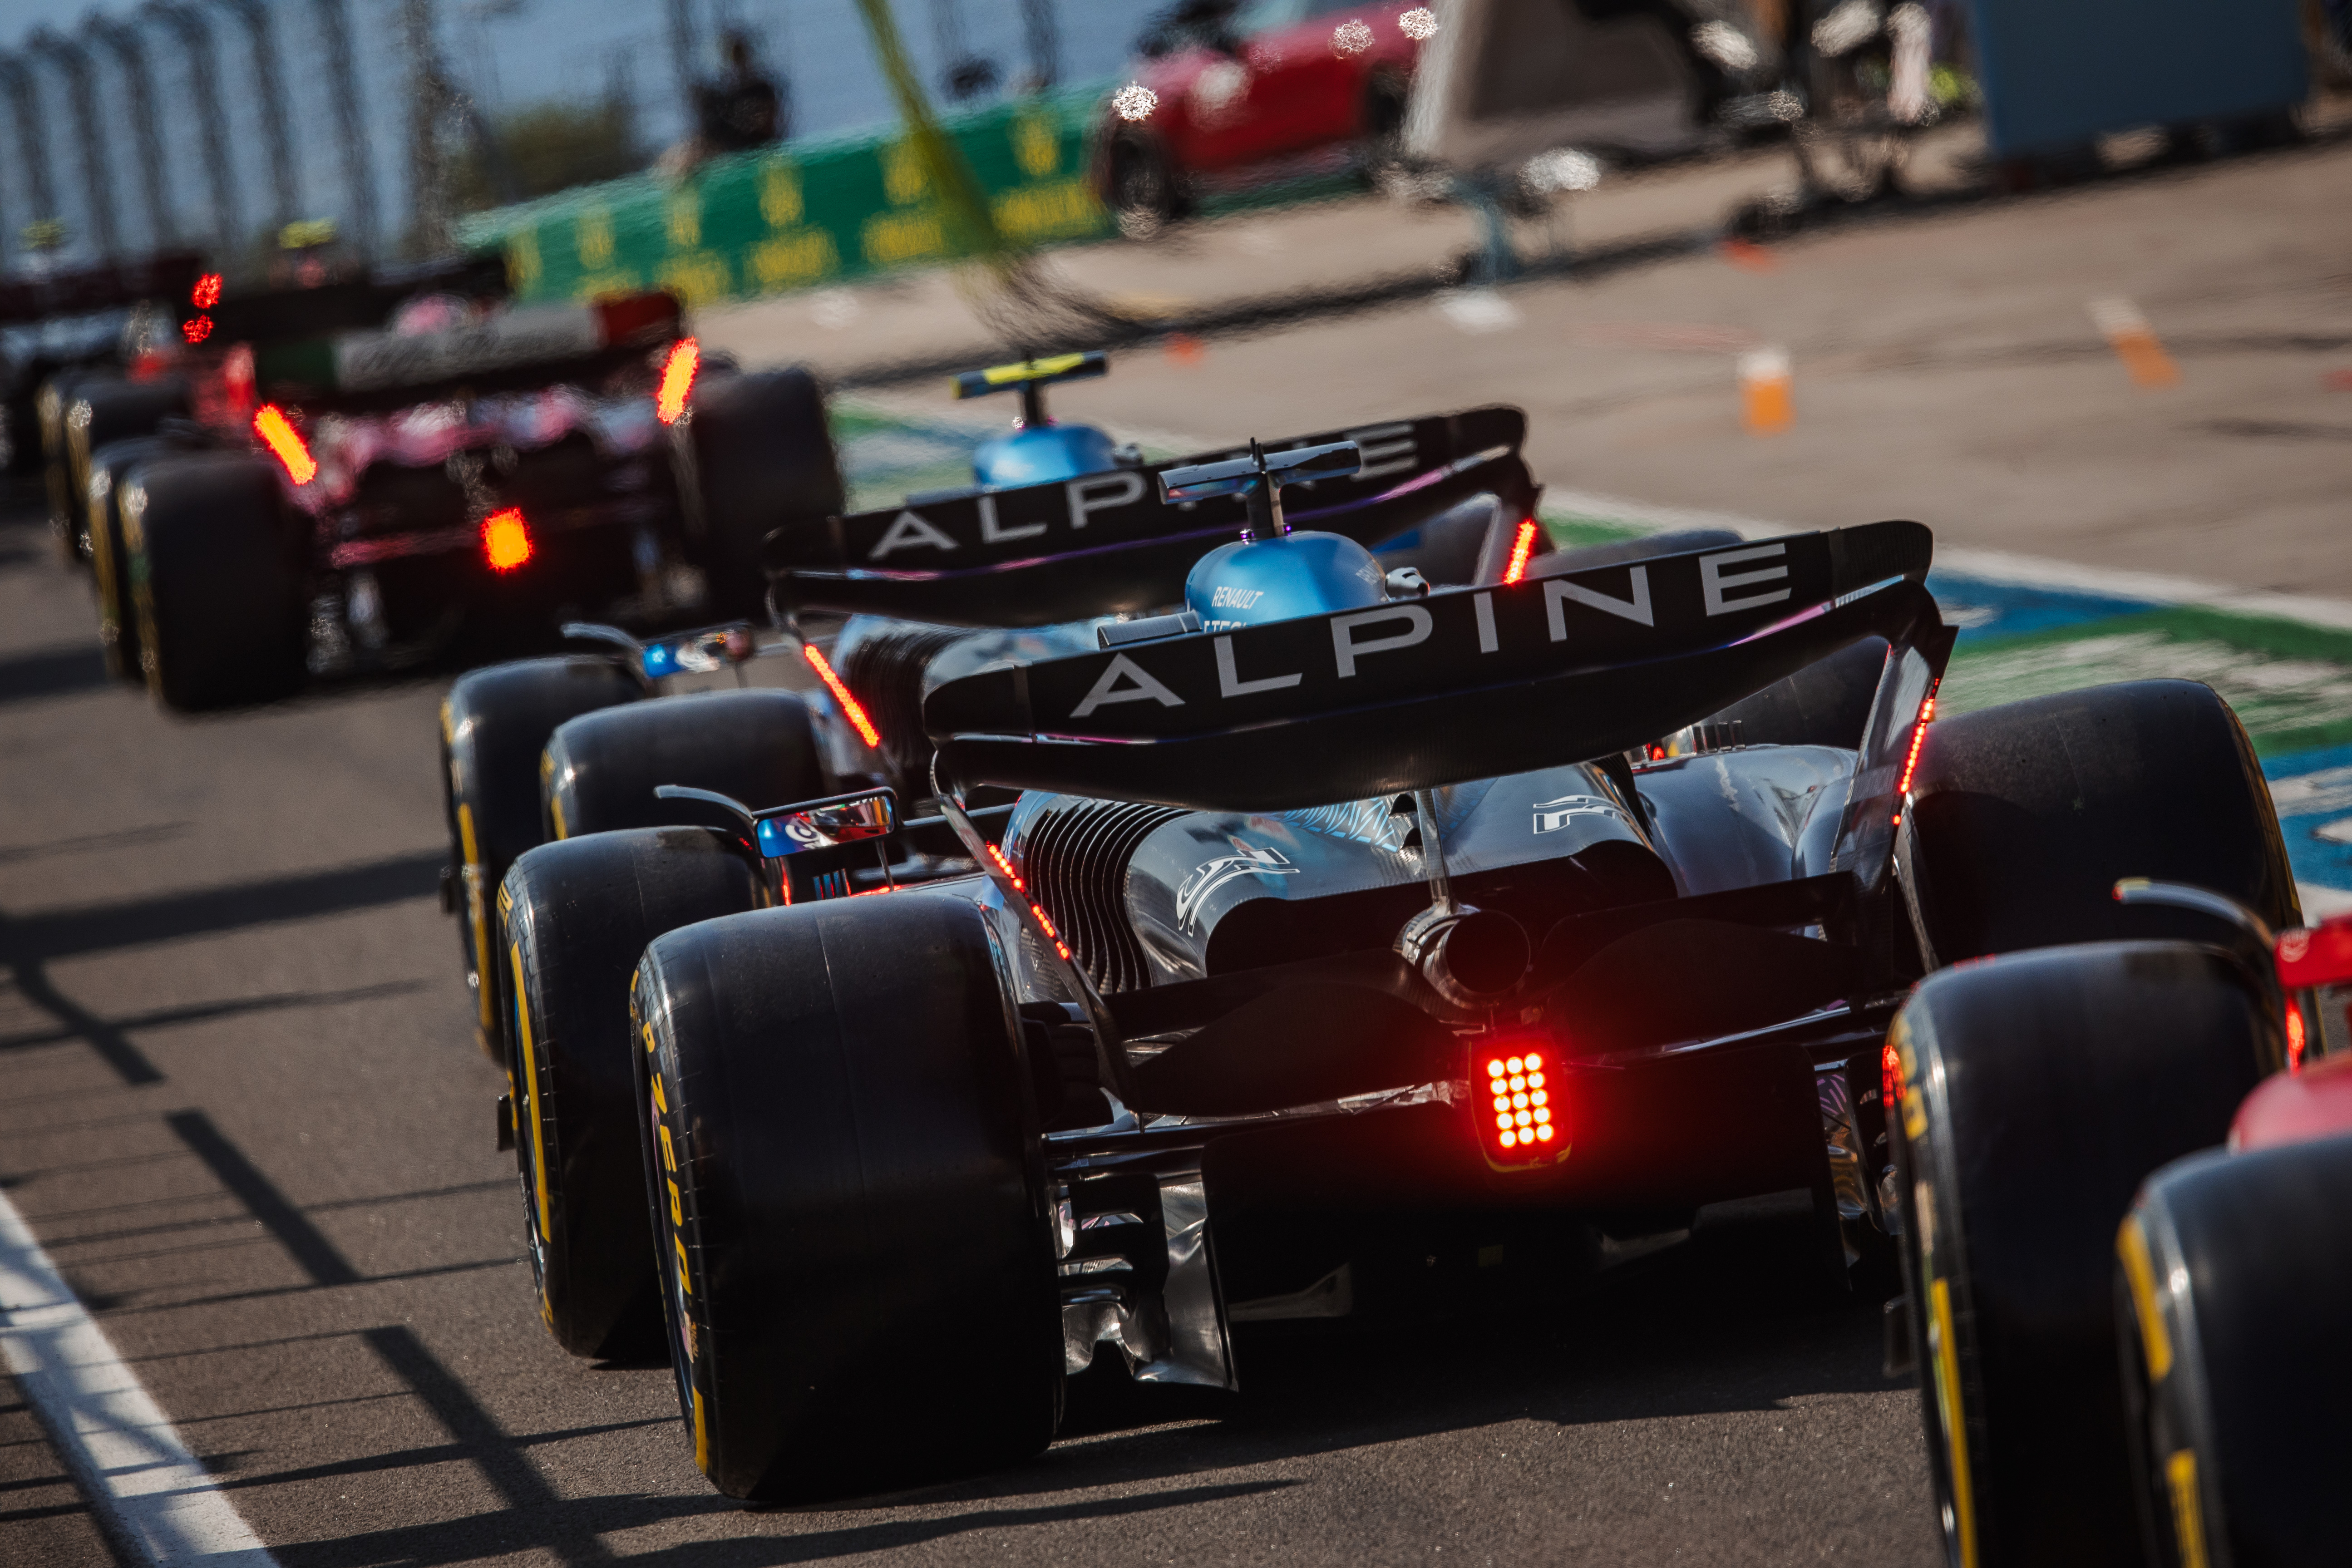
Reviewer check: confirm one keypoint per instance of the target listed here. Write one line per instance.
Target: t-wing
(1105, 544)
(1465, 684)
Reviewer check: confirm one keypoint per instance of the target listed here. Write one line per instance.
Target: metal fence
(218, 123)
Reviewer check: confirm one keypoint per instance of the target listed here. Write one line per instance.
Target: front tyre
(2038, 1090)
(848, 1197)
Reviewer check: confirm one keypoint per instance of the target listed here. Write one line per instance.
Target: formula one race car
(575, 916)
(469, 471)
(1336, 916)
(2036, 1092)
(497, 721)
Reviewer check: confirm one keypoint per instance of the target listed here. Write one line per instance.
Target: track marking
(157, 1501)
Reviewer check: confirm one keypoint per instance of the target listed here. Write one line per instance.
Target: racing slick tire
(2023, 817)
(103, 411)
(2038, 1090)
(495, 725)
(1146, 189)
(217, 582)
(49, 407)
(576, 916)
(111, 468)
(2229, 1298)
(602, 768)
(848, 1195)
(763, 459)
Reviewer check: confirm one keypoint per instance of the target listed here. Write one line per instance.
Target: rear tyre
(2243, 1266)
(602, 769)
(495, 726)
(2023, 817)
(845, 1178)
(110, 466)
(49, 407)
(217, 577)
(2039, 1090)
(762, 459)
(576, 917)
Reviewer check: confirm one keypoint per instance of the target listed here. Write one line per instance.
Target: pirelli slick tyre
(217, 582)
(575, 918)
(49, 407)
(602, 769)
(846, 1176)
(495, 725)
(2234, 1273)
(762, 459)
(102, 412)
(111, 468)
(2023, 817)
(2039, 1089)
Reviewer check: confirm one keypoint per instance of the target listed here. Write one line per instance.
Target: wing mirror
(730, 646)
(826, 824)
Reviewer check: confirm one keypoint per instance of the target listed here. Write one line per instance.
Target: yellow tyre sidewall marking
(531, 1094)
(480, 919)
(1944, 1355)
(2188, 1512)
(2156, 1342)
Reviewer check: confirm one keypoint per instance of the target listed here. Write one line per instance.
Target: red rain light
(2295, 1037)
(206, 293)
(196, 329)
(1890, 1077)
(1518, 1116)
(506, 540)
(278, 433)
(1005, 866)
(1522, 547)
(850, 705)
(678, 380)
(1911, 762)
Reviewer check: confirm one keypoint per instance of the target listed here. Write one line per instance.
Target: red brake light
(278, 433)
(1517, 1107)
(1522, 547)
(196, 329)
(1890, 1077)
(1911, 762)
(506, 540)
(2295, 1039)
(850, 707)
(678, 380)
(206, 293)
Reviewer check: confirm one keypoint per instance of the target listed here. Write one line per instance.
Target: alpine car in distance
(1335, 913)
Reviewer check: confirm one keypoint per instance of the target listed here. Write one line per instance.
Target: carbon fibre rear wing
(1464, 684)
(1104, 543)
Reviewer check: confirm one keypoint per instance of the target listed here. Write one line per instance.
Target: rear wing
(528, 346)
(1464, 684)
(1105, 543)
(109, 286)
(279, 315)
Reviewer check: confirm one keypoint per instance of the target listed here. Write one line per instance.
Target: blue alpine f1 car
(1283, 910)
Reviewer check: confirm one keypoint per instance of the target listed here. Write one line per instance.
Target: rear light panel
(1523, 545)
(278, 433)
(506, 540)
(678, 380)
(851, 708)
(1514, 1100)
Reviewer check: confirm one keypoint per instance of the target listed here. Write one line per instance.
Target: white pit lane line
(157, 1502)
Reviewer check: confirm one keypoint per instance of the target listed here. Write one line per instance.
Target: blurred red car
(1224, 90)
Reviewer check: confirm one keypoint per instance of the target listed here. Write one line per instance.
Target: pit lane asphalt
(241, 1106)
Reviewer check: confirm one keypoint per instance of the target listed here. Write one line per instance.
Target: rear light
(506, 540)
(1005, 866)
(1911, 762)
(1890, 1077)
(678, 380)
(207, 291)
(1522, 547)
(278, 433)
(2297, 1037)
(1519, 1115)
(196, 329)
(850, 707)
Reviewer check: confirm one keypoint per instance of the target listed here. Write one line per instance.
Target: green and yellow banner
(802, 214)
